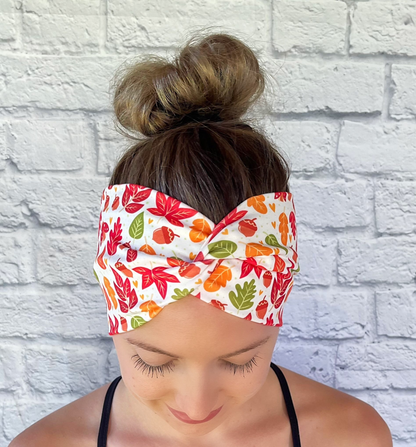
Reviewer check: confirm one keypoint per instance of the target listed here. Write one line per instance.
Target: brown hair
(197, 148)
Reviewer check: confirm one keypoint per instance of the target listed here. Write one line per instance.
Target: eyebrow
(151, 348)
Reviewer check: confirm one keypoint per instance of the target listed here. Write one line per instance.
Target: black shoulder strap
(105, 415)
(289, 405)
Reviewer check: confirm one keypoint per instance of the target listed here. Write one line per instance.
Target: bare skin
(253, 413)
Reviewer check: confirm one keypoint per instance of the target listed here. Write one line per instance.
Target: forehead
(190, 323)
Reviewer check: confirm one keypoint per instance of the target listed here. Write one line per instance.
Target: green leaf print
(95, 274)
(297, 270)
(245, 294)
(271, 239)
(137, 321)
(222, 249)
(137, 226)
(181, 293)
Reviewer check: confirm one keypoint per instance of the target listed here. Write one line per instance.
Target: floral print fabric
(154, 250)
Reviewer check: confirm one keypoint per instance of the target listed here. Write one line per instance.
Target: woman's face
(200, 376)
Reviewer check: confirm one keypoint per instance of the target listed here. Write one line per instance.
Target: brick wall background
(343, 114)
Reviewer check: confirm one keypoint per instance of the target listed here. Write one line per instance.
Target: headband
(154, 250)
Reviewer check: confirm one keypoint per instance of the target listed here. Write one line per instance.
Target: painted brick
(383, 27)
(49, 144)
(57, 82)
(66, 259)
(396, 313)
(303, 26)
(81, 366)
(309, 146)
(381, 260)
(16, 258)
(53, 33)
(31, 310)
(327, 86)
(395, 205)
(134, 24)
(403, 101)
(377, 357)
(387, 147)
(329, 204)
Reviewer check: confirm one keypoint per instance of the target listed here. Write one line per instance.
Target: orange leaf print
(151, 307)
(100, 260)
(272, 206)
(147, 249)
(111, 292)
(279, 264)
(257, 202)
(283, 227)
(218, 278)
(107, 201)
(200, 230)
(254, 249)
(107, 298)
(115, 204)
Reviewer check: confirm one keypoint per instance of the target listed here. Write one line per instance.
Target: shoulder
(74, 425)
(327, 416)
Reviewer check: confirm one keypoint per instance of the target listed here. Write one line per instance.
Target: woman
(192, 374)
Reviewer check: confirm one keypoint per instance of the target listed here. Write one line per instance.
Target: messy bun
(196, 146)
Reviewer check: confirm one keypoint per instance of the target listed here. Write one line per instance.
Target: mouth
(184, 417)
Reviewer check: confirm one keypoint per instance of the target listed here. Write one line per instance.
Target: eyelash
(140, 363)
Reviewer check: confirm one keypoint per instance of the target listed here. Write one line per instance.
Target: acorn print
(247, 226)
(267, 278)
(218, 304)
(261, 309)
(189, 270)
(164, 235)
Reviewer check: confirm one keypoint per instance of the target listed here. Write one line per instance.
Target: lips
(184, 417)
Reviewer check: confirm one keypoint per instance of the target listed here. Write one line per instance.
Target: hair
(196, 146)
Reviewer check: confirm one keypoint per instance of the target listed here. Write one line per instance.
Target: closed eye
(149, 369)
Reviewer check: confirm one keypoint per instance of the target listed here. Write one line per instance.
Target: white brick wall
(343, 114)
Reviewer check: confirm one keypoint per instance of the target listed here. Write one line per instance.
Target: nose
(199, 396)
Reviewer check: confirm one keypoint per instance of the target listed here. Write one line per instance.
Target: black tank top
(105, 416)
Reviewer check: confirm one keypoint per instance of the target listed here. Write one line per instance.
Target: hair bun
(213, 78)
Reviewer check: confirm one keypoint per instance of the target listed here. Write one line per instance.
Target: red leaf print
(156, 276)
(269, 321)
(126, 196)
(292, 220)
(127, 287)
(115, 238)
(231, 217)
(248, 265)
(118, 277)
(169, 208)
(113, 326)
(131, 255)
(124, 293)
(120, 292)
(139, 194)
(133, 299)
(123, 306)
(133, 207)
